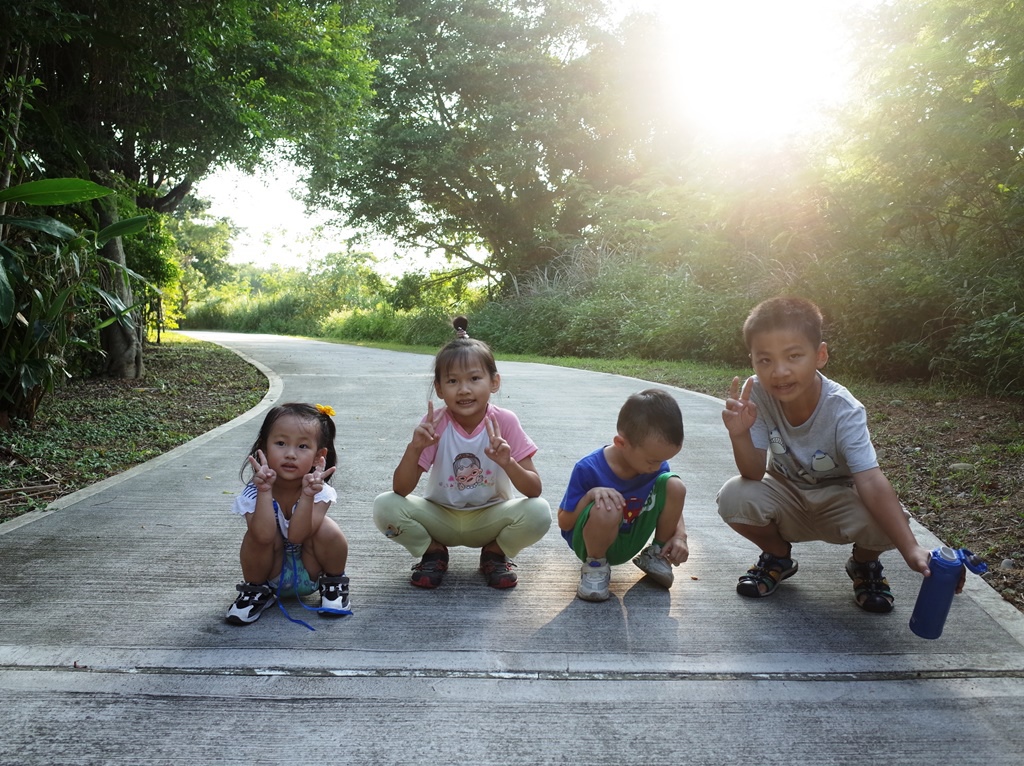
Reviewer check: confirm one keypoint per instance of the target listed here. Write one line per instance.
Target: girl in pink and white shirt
(479, 457)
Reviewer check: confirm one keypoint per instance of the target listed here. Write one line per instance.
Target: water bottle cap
(972, 562)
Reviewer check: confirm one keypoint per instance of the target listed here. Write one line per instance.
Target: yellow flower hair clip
(325, 409)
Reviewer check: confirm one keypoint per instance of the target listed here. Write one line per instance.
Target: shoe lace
(250, 593)
(496, 563)
(594, 574)
(295, 549)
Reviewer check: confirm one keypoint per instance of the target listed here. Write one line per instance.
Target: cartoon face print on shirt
(467, 472)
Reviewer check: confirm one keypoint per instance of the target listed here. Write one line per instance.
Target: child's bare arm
(261, 522)
(407, 474)
(884, 506)
(524, 477)
(676, 549)
(521, 473)
(309, 515)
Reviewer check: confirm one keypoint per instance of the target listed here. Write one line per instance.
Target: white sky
(745, 70)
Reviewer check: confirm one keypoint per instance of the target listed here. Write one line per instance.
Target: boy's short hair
(797, 314)
(653, 412)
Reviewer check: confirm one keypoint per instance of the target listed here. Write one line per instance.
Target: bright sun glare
(750, 70)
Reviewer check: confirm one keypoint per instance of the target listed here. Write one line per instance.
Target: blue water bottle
(937, 590)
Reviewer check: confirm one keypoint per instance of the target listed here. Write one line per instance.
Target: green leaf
(6, 298)
(122, 229)
(54, 191)
(45, 224)
(128, 272)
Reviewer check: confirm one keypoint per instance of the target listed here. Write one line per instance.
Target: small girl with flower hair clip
(291, 546)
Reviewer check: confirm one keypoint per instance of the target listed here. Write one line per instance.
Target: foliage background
(631, 238)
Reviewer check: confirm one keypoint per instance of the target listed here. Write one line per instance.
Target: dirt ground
(958, 465)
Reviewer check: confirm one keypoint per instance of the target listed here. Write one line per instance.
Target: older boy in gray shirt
(808, 470)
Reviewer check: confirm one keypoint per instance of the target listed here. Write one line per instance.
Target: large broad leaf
(54, 191)
(45, 224)
(122, 229)
(115, 304)
(128, 272)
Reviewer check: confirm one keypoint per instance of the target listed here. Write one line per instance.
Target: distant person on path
(622, 494)
(478, 456)
(291, 546)
(808, 469)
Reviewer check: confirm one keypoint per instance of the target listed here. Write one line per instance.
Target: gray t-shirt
(829, 448)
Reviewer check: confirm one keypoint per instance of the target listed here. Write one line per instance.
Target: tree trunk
(121, 340)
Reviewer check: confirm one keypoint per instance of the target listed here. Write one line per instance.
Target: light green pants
(413, 522)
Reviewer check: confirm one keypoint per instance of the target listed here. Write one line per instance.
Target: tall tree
(930, 184)
(479, 143)
(156, 94)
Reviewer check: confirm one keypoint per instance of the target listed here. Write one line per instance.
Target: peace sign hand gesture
(426, 432)
(263, 476)
(313, 482)
(740, 412)
(498, 450)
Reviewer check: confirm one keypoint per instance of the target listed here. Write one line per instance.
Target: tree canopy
(478, 142)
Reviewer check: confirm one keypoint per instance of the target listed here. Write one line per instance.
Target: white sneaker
(334, 596)
(253, 599)
(595, 577)
(651, 562)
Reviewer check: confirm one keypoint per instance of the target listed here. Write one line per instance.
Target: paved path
(113, 647)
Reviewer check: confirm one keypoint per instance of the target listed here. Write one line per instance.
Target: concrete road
(113, 646)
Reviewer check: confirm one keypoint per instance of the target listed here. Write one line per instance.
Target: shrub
(990, 350)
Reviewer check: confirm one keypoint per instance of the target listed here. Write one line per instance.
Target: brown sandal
(768, 572)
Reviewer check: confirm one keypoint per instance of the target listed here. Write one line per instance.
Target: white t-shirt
(245, 502)
(461, 475)
(829, 448)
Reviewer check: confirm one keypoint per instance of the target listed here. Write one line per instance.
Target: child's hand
(263, 476)
(739, 413)
(313, 482)
(425, 433)
(676, 551)
(499, 450)
(918, 558)
(607, 499)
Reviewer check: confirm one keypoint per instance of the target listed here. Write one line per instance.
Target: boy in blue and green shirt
(623, 493)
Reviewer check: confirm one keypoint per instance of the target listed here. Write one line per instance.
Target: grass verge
(90, 429)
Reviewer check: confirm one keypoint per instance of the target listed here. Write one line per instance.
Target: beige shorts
(833, 513)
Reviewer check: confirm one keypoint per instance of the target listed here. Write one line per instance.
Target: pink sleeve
(522, 446)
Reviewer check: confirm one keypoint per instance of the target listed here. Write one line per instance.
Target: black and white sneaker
(334, 596)
(252, 600)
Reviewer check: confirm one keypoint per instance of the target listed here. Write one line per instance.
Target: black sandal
(768, 572)
(870, 588)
